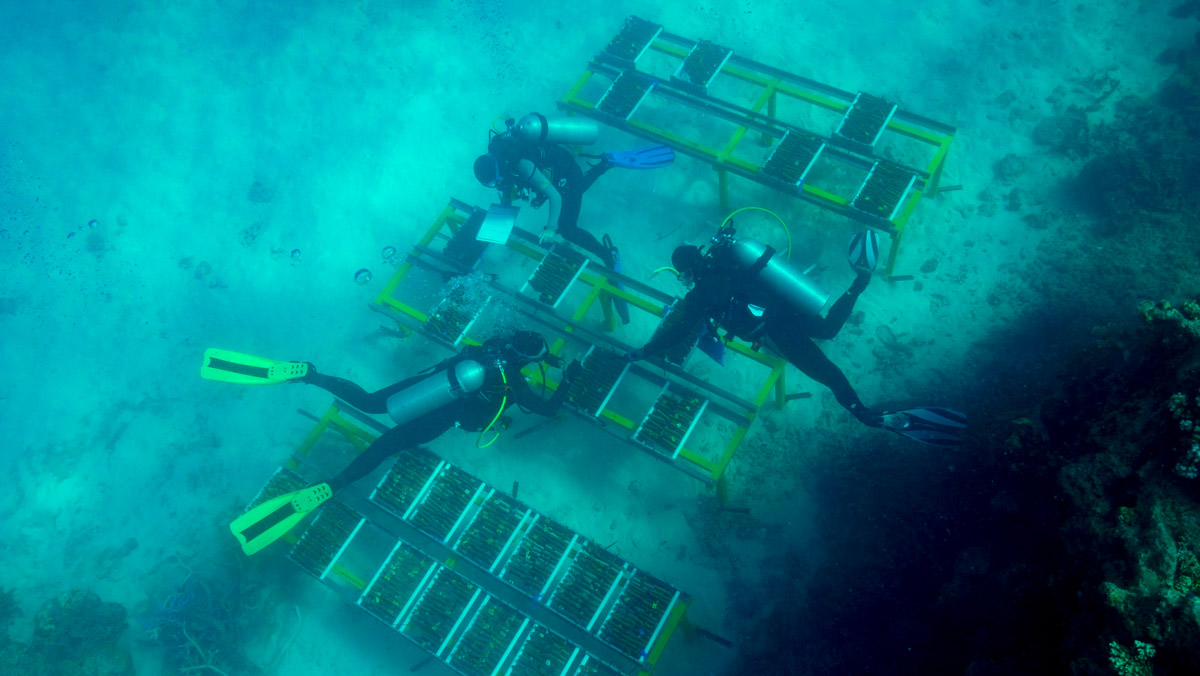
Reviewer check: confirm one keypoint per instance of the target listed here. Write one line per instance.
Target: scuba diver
(470, 390)
(741, 286)
(528, 162)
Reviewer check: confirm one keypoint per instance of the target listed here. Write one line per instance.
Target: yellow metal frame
(356, 435)
(773, 86)
(677, 617)
(361, 437)
(603, 291)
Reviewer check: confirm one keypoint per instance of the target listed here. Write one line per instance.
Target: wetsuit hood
(487, 170)
(527, 346)
(518, 348)
(687, 260)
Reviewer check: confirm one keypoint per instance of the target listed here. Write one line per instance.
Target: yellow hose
(503, 404)
(665, 267)
(785, 228)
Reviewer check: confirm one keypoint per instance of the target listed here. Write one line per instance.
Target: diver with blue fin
(527, 161)
(470, 390)
(740, 286)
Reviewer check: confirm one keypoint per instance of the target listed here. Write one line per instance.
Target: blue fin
(650, 157)
(712, 346)
(930, 425)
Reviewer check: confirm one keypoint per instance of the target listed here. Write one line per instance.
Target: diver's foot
(613, 259)
(894, 421)
(312, 371)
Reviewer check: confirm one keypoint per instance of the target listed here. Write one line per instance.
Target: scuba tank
(770, 272)
(539, 129)
(528, 138)
(437, 390)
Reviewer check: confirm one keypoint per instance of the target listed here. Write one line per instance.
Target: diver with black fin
(528, 162)
(741, 286)
(470, 390)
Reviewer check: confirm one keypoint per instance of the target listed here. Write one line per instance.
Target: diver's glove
(574, 369)
(547, 237)
(636, 354)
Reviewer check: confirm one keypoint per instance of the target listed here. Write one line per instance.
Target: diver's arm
(693, 313)
(538, 181)
(533, 401)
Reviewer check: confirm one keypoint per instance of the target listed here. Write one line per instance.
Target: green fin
(246, 369)
(268, 522)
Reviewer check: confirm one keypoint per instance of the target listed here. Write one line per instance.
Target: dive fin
(929, 425)
(864, 251)
(246, 369)
(712, 345)
(621, 306)
(650, 157)
(268, 522)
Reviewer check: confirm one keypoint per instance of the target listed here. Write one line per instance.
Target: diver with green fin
(527, 161)
(470, 390)
(739, 285)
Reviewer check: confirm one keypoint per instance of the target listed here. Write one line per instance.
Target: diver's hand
(636, 354)
(573, 370)
(547, 237)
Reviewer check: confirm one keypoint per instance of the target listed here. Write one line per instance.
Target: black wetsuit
(722, 296)
(563, 172)
(471, 413)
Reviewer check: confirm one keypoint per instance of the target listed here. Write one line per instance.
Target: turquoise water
(177, 176)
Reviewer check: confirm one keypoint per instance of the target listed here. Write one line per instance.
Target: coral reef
(9, 610)
(206, 621)
(1134, 524)
(1067, 134)
(1178, 330)
(75, 633)
(1145, 162)
(1134, 661)
(1060, 541)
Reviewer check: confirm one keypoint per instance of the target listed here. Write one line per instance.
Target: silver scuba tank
(570, 131)
(437, 390)
(778, 276)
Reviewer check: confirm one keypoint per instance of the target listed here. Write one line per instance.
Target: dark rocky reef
(1145, 164)
(75, 633)
(1061, 540)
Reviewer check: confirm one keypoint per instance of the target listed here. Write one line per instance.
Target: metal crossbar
(850, 145)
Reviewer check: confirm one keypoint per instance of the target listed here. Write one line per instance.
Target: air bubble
(92, 223)
(389, 254)
(296, 255)
(363, 276)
